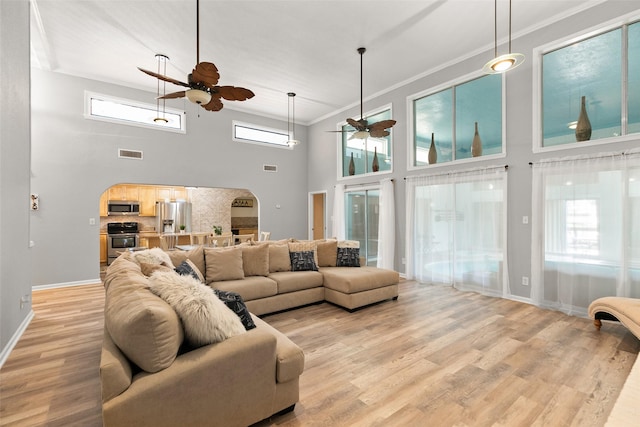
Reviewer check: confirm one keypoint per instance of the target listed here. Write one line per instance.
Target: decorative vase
(583, 126)
(433, 154)
(352, 166)
(375, 166)
(476, 144)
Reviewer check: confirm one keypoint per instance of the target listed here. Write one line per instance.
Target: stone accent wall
(212, 206)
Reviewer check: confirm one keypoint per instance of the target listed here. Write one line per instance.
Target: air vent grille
(270, 168)
(129, 154)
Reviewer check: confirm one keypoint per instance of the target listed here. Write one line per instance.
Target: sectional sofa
(152, 375)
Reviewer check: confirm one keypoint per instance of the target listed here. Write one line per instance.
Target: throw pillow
(303, 256)
(327, 252)
(188, 268)
(196, 255)
(235, 302)
(205, 318)
(348, 253)
(255, 260)
(279, 258)
(148, 269)
(152, 256)
(223, 264)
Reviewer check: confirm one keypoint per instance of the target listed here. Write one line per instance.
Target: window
(362, 151)
(457, 228)
(450, 115)
(586, 212)
(254, 134)
(128, 112)
(595, 68)
(362, 222)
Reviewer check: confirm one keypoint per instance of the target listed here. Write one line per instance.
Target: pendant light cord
(361, 51)
(509, 26)
(495, 28)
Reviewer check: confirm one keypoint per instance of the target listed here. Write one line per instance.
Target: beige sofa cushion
(145, 328)
(195, 255)
(255, 260)
(327, 252)
(223, 264)
(291, 281)
(290, 358)
(279, 259)
(350, 280)
(249, 288)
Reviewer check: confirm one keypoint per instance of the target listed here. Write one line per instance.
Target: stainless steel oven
(121, 236)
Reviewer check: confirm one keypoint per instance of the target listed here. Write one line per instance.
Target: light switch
(525, 219)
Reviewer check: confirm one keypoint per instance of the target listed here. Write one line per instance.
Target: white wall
(75, 159)
(322, 154)
(15, 257)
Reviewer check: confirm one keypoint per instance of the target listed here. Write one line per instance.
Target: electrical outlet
(525, 219)
(92, 221)
(25, 299)
(525, 281)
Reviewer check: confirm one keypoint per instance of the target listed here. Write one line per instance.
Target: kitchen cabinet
(147, 199)
(103, 248)
(104, 198)
(180, 193)
(123, 192)
(171, 193)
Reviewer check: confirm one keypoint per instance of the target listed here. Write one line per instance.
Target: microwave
(123, 207)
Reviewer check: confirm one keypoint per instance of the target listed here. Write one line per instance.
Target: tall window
(457, 230)
(450, 115)
(362, 222)
(594, 68)
(587, 211)
(362, 151)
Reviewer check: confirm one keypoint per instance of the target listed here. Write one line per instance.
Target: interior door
(318, 217)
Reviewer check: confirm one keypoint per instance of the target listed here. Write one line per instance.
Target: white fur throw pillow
(205, 318)
(152, 256)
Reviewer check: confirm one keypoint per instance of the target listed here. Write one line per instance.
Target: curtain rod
(367, 184)
(630, 152)
(506, 167)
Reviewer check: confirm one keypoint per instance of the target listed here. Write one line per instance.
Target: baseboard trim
(6, 351)
(66, 284)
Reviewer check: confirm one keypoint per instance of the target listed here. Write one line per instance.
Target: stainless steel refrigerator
(170, 215)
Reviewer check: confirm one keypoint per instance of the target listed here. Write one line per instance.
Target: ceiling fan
(203, 81)
(363, 128)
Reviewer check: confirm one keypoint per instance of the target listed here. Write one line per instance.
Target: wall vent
(270, 168)
(129, 154)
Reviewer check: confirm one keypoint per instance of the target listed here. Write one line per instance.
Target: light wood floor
(435, 357)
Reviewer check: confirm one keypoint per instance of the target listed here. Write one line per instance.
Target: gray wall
(75, 159)
(15, 257)
(322, 155)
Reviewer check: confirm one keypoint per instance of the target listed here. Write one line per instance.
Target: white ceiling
(274, 47)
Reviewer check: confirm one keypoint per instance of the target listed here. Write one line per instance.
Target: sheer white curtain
(456, 229)
(338, 219)
(585, 230)
(386, 225)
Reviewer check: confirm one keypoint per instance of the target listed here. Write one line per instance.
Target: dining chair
(219, 241)
(264, 236)
(168, 242)
(198, 238)
(242, 238)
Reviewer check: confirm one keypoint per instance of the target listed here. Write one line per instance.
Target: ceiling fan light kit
(507, 61)
(198, 96)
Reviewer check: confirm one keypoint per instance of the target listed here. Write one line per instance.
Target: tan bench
(621, 309)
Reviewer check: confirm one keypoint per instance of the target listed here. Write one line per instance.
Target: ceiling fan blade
(165, 78)
(233, 93)
(205, 73)
(214, 105)
(173, 95)
(385, 124)
(378, 133)
(358, 125)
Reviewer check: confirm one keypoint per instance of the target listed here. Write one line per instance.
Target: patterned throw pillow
(188, 268)
(303, 256)
(235, 302)
(348, 253)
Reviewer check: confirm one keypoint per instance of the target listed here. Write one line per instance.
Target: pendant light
(162, 69)
(291, 120)
(508, 61)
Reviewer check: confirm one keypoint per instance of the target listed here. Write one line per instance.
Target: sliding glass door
(362, 222)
